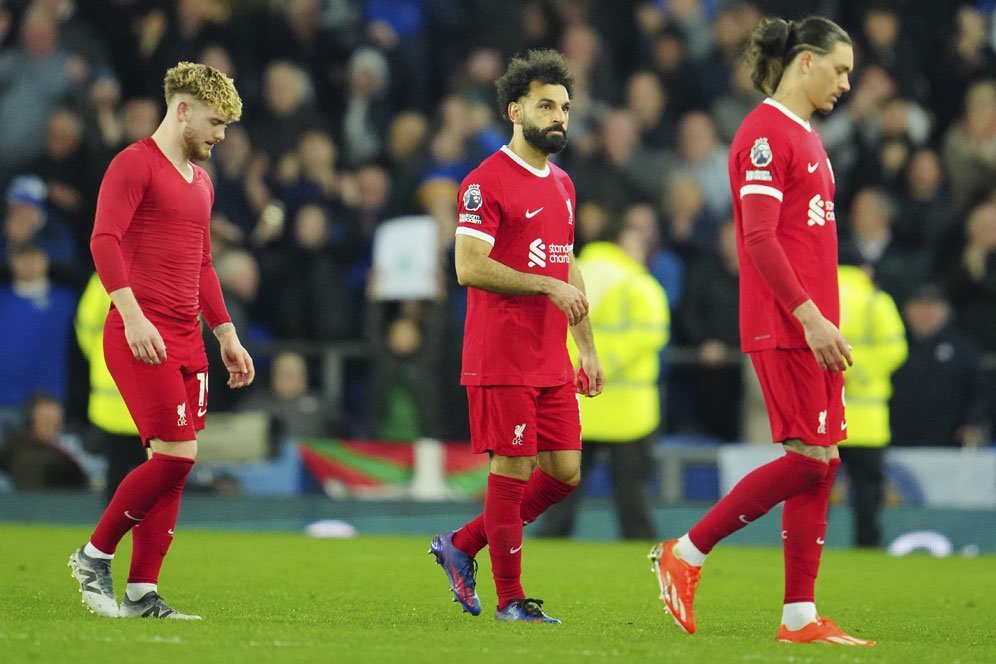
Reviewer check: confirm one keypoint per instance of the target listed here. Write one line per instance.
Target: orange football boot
(678, 581)
(823, 630)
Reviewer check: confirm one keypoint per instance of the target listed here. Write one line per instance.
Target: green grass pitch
(287, 598)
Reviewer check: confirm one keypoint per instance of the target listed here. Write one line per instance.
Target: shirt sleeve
(478, 208)
(211, 298)
(759, 182)
(121, 192)
(760, 221)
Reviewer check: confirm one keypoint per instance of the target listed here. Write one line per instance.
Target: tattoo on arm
(223, 329)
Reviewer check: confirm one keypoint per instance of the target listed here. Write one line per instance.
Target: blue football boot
(460, 569)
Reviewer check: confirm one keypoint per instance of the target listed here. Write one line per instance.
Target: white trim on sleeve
(473, 232)
(760, 189)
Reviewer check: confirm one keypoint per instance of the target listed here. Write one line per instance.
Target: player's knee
(812, 451)
(186, 449)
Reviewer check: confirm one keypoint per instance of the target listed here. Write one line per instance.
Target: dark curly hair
(546, 66)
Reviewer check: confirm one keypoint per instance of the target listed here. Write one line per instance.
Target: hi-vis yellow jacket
(631, 322)
(872, 325)
(107, 409)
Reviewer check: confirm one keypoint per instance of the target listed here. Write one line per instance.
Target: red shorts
(803, 401)
(516, 420)
(168, 401)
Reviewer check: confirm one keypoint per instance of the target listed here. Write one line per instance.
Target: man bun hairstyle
(206, 84)
(546, 66)
(775, 43)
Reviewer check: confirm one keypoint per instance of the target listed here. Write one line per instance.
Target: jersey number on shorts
(202, 378)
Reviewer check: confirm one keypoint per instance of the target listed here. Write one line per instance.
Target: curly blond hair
(206, 84)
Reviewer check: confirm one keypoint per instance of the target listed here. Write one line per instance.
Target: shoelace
(472, 573)
(162, 608)
(530, 606)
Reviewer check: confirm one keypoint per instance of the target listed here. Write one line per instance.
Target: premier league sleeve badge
(472, 199)
(760, 154)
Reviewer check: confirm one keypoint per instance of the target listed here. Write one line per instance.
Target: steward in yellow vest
(630, 322)
(113, 425)
(871, 323)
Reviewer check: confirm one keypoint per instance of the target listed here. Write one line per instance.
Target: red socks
(754, 495)
(151, 538)
(136, 497)
(804, 525)
(503, 525)
(542, 491)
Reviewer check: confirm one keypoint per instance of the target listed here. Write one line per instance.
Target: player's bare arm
(825, 340)
(475, 267)
(241, 371)
(143, 338)
(591, 376)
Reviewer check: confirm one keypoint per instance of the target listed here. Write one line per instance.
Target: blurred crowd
(360, 111)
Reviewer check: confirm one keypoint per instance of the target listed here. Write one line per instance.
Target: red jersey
(777, 154)
(527, 215)
(151, 233)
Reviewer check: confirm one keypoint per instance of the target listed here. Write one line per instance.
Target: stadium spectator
(702, 157)
(404, 402)
(28, 221)
(940, 395)
(35, 77)
(970, 146)
(296, 410)
(36, 457)
(965, 57)
(709, 325)
(367, 114)
(896, 268)
(789, 307)
(239, 276)
(34, 339)
(971, 282)
(690, 225)
(729, 110)
(305, 281)
(67, 169)
(926, 217)
(647, 100)
(662, 261)
(288, 110)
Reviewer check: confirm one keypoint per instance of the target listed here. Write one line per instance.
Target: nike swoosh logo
(170, 532)
(201, 412)
(532, 213)
(131, 517)
(813, 166)
(518, 548)
(819, 540)
(744, 519)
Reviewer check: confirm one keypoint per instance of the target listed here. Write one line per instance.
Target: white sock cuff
(93, 552)
(689, 552)
(137, 591)
(797, 615)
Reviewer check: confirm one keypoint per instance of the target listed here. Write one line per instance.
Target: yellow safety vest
(630, 321)
(107, 409)
(872, 325)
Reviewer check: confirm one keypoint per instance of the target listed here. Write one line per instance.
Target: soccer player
(514, 249)
(783, 186)
(151, 246)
